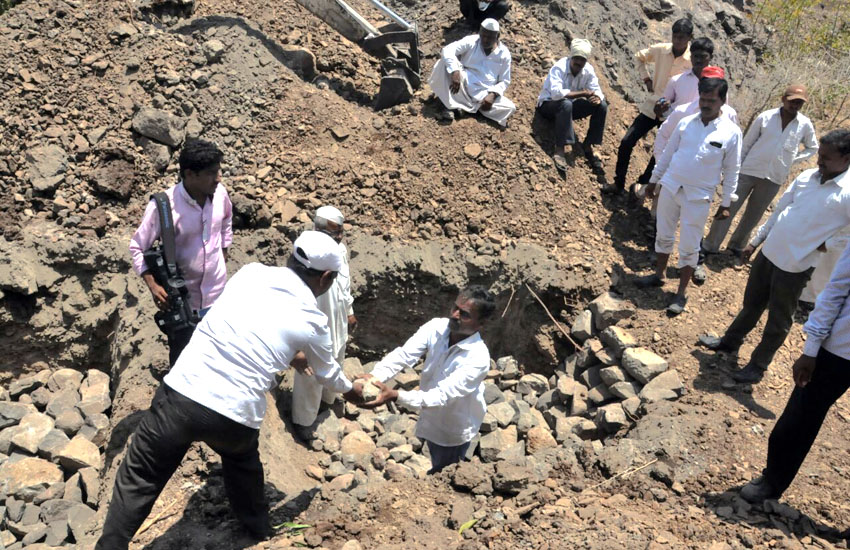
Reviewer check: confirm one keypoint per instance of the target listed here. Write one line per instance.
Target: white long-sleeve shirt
(676, 115)
(682, 89)
(484, 73)
(451, 387)
(828, 326)
(701, 156)
(560, 81)
(769, 151)
(806, 216)
(337, 304)
(262, 319)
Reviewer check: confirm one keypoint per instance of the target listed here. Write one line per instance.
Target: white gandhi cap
(490, 25)
(317, 251)
(331, 214)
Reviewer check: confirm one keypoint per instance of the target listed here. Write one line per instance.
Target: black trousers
(797, 428)
(176, 343)
(778, 291)
(497, 10)
(564, 111)
(636, 132)
(164, 435)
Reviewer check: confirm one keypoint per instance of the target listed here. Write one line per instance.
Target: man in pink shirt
(202, 214)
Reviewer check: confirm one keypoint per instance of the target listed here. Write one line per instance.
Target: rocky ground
(577, 451)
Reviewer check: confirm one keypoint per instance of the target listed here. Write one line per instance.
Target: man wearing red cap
(703, 152)
(771, 146)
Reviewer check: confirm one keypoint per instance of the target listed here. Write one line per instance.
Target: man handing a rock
(451, 389)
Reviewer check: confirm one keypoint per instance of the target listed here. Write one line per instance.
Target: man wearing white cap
(216, 391)
(336, 304)
(476, 11)
(571, 91)
(473, 74)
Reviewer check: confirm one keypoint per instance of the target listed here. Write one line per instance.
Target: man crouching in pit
(451, 387)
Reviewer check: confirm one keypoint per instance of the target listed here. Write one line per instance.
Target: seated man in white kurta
(473, 74)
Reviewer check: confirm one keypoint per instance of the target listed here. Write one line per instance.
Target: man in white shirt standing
(337, 304)
(821, 377)
(771, 146)
(703, 152)
(216, 391)
(815, 207)
(451, 388)
(571, 92)
(473, 74)
(682, 88)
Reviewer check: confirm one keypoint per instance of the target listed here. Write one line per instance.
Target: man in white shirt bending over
(815, 207)
(703, 152)
(473, 74)
(821, 377)
(451, 388)
(337, 304)
(771, 146)
(216, 391)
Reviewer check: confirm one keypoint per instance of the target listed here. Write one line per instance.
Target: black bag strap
(166, 231)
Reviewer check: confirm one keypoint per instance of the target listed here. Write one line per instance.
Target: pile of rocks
(54, 426)
(597, 392)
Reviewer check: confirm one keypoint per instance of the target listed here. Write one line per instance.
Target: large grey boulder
(45, 166)
(26, 477)
(666, 385)
(643, 364)
(608, 309)
(160, 126)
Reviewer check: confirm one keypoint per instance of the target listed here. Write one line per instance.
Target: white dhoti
(691, 215)
(308, 394)
(440, 83)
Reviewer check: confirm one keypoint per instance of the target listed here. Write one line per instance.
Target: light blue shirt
(828, 326)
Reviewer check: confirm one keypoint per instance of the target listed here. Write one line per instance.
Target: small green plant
(6, 4)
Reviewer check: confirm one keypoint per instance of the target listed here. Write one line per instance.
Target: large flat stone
(617, 339)
(80, 453)
(608, 309)
(26, 477)
(11, 413)
(64, 379)
(31, 430)
(643, 364)
(357, 444)
(504, 413)
(160, 126)
(494, 442)
(666, 385)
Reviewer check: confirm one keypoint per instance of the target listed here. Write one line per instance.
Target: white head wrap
(490, 25)
(317, 251)
(580, 47)
(331, 214)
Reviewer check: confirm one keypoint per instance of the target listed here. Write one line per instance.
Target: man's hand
(355, 394)
(594, 99)
(299, 363)
(648, 83)
(352, 323)
(722, 213)
(746, 253)
(454, 86)
(803, 369)
(488, 102)
(160, 296)
(650, 190)
(385, 396)
(822, 247)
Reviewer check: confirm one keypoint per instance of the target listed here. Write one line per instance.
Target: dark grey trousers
(778, 291)
(565, 111)
(164, 435)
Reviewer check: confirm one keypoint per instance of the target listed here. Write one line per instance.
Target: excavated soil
(427, 212)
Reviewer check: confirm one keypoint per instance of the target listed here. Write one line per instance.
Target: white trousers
(307, 395)
(501, 110)
(673, 209)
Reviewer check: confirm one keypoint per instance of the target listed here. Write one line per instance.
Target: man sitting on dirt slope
(202, 213)
(473, 74)
(451, 388)
(821, 376)
(571, 91)
(216, 391)
(814, 208)
(669, 59)
(307, 391)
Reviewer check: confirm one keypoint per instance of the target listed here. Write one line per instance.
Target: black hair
(840, 139)
(483, 299)
(198, 154)
(300, 269)
(683, 26)
(708, 85)
(702, 45)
